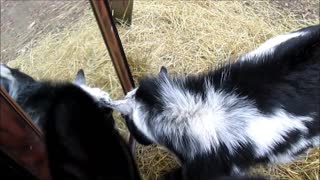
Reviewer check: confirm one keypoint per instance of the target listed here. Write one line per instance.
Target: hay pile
(186, 36)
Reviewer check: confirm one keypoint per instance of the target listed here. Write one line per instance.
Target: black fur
(82, 142)
(140, 137)
(81, 139)
(289, 78)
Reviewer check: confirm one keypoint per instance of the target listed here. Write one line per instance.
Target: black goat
(81, 139)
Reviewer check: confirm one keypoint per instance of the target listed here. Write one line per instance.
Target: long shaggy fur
(264, 108)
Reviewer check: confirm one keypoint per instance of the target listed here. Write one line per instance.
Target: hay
(186, 36)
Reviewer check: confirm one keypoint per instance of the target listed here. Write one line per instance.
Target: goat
(81, 140)
(262, 108)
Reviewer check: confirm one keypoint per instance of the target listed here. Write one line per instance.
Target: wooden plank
(122, 10)
(20, 139)
(112, 41)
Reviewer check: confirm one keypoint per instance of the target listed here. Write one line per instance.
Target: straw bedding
(185, 36)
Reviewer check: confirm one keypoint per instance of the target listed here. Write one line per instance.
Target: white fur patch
(270, 45)
(187, 115)
(124, 106)
(96, 93)
(140, 123)
(208, 123)
(266, 131)
(6, 73)
(316, 141)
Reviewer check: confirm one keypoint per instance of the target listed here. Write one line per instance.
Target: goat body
(263, 108)
(80, 137)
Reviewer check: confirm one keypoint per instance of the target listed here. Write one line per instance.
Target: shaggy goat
(263, 108)
(81, 140)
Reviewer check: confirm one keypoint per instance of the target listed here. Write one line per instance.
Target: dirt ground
(303, 9)
(25, 22)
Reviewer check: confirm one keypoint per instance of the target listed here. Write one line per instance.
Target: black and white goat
(81, 140)
(263, 108)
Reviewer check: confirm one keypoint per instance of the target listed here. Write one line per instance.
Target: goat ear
(163, 71)
(80, 78)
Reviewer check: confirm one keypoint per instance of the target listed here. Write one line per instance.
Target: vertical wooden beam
(20, 139)
(112, 40)
(122, 10)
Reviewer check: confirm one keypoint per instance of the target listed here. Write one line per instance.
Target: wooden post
(21, 140)
(122, 10)
(112, 40)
